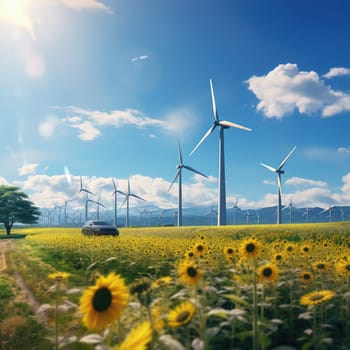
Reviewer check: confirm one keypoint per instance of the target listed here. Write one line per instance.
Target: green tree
(16, 207)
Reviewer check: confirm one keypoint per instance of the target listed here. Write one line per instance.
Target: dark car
(99, 228)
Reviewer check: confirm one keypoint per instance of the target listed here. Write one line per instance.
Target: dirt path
(5, 245)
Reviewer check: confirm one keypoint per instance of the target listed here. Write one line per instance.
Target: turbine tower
(235, 208)
(87, 192)
(115, 194)
(127, 197)
(279, 172)
(178, 175)
(223, 124)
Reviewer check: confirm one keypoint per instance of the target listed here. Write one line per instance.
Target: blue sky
(104, 89)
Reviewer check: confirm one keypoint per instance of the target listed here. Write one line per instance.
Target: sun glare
(15, 11)
(12, 8)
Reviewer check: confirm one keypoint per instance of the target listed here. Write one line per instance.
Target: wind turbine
(115, 194)
(212, 212)
(178, 175)
(279, 172)
(307, 214)
(290, 207)
(127, 197)
(98, 205)
(329, 209)
(87, 192)
(223, 124)
(235, 208)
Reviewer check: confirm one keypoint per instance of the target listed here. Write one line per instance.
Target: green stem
(255, 309)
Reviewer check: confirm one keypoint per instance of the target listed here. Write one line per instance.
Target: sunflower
(104, 302)
(140, 286)
(317, 297)
(306, 277)
(278, 258)
(138, 338)
(343, 267)
(200, 248)
(250, 248)
(306, 249)
(290, 248)
(181, 315)
(321, 266)
(158, 323)
(189, 272)
(268, 273)
(58, 276)
(161, 282)
(229, 253)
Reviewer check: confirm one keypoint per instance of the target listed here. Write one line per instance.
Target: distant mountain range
(151, 215)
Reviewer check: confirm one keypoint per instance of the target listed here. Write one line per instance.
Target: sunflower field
(233, 287)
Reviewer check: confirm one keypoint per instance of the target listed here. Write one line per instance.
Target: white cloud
(47, 127)
(269, 182)
(343, 150)
(27, 169)
(86, 5)
(3, 181)
(90, 123)
(299, 181)
(286, 89)
(336, 71)
(139, 58)
(87, 131)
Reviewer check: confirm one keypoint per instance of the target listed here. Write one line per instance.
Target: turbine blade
(176, 176)
(285, 159)
(194, 170)
(236, 203)
(81, 183)
(126, 198)
(179, 152)
(229, 124)
(215, 111)
(128, 187)
(114, 185)
(138, 197)
(204, 137)
(269, 167)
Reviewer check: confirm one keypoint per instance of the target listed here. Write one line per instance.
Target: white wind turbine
(127, 197)
(115, 194)
(87, 200)
(178, 175)
(98, 205)
(223, 124)
(279, 172)
(235, 208)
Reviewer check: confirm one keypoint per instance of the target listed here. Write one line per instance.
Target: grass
(234, 308)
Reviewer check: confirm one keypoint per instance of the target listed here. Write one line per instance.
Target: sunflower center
(306, 249)
(250, 247)
(317, 297)
(267, 272)
(278, 257)
(102, 299)
(229, 250)
(321, 266)
(306, 276)
(191, 271)
(347, 267)
(200, 248)
(182, 316)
